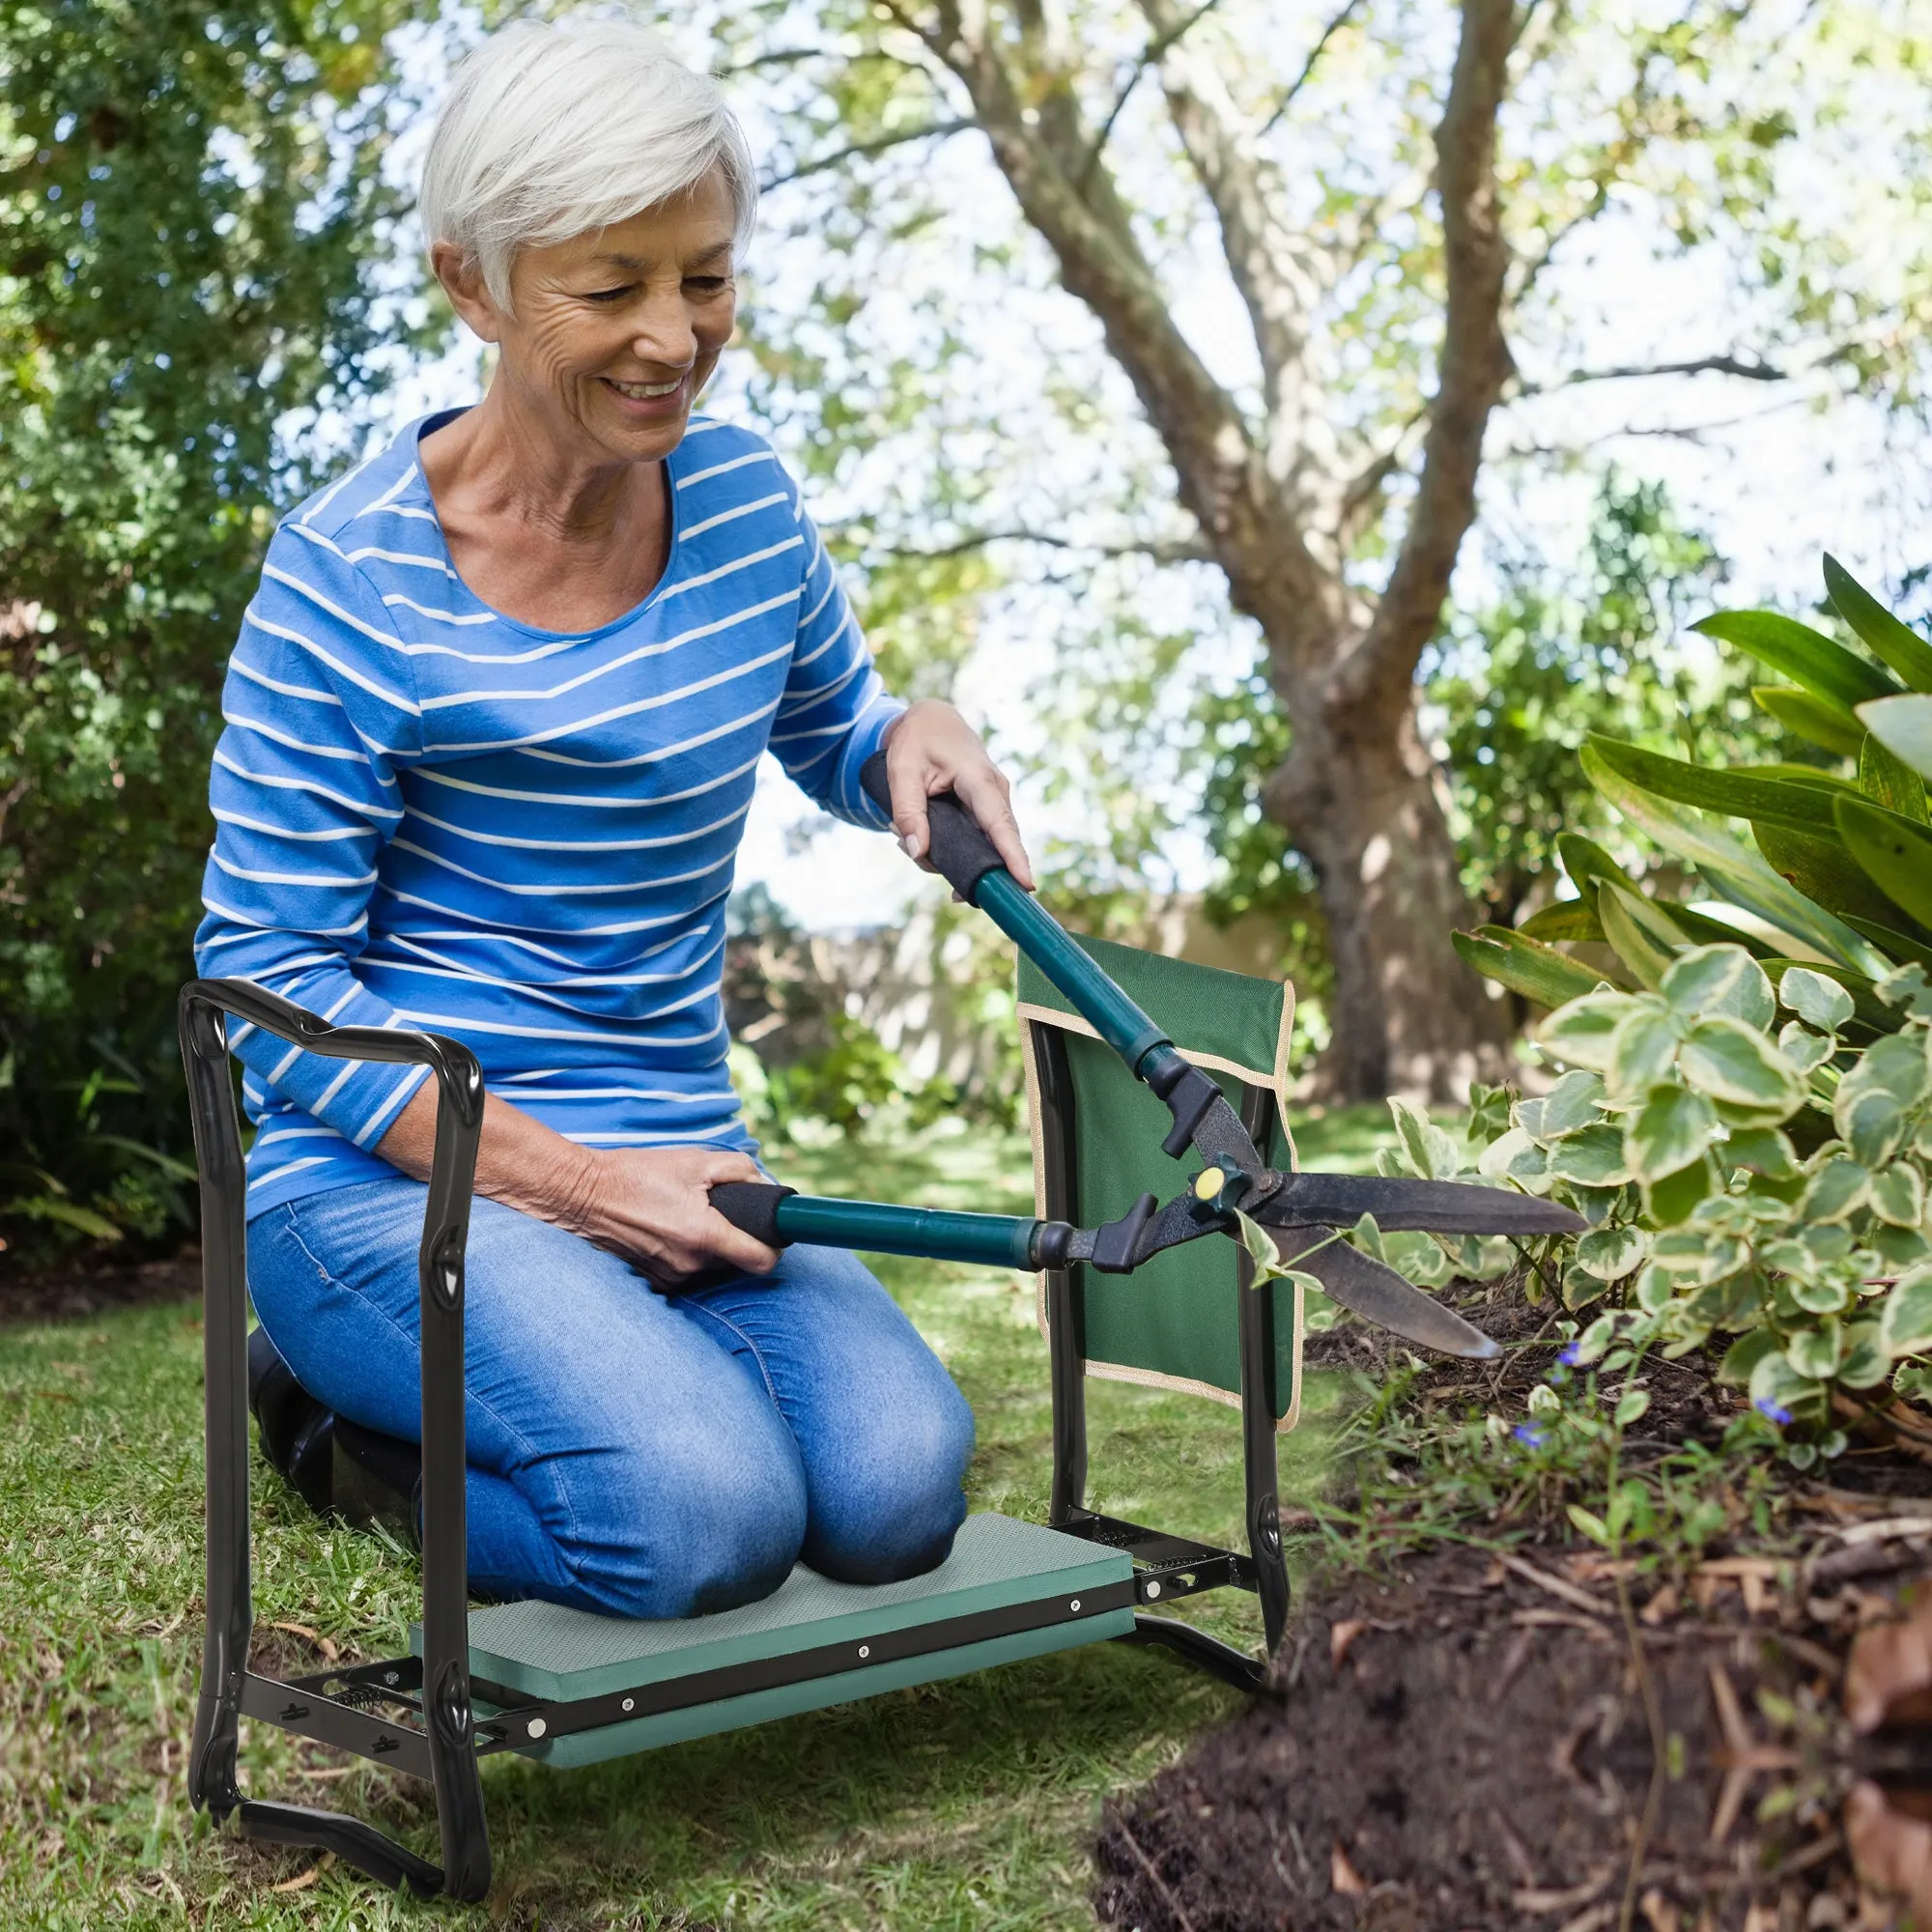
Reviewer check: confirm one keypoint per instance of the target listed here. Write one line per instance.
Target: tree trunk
(1359, 796)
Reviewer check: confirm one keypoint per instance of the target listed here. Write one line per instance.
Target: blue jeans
(632, 1453)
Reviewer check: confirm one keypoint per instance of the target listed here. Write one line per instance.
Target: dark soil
(72, 1294)
(1469, 1744)
(1469, 1740)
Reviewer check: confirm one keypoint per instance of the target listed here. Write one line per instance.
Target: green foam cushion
(550, 1652)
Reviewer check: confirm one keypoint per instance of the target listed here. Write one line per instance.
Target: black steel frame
(416, 1715)
(1165, 1567)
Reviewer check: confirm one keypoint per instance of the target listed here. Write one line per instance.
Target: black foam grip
(754, 1207)
(961, 853)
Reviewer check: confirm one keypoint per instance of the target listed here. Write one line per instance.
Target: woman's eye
(707, 285)
(609, 294)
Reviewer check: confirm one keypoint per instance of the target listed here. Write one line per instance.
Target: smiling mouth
(643, 392)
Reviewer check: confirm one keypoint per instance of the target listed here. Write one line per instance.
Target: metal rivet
(538, 1727)
(1152, 1591)
(865, 1650)
(1074, 1604)
(630, 1703)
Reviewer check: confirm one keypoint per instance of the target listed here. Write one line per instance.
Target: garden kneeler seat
(569, 1688)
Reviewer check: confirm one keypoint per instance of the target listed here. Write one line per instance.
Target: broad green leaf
(1643, 1049)
(1725, 1060)
(1574, 1101)
(1817, 720)
(1881, 633)
(68, 1213)
(1704, 931)
(1775, 1385)
(1567, 919)
(1733, 794)
(1823, 870)
(1643, 938)
(1817, 1001)
(1539, 973)
(1802, 654)
(1745, 1354)
(1818, 1295)
(1762, 1150)
(1898, 1195)
(1887, 779)
(1591, 1157)
(1733, 870)
(1837, 1189)
(1895, 944)
(1897, 1066)
(1673, 1200)
(1579, 1033)
(1670, 1131)
(1867, 1009)
(1905, 1324)
(1591, 1524)
(1720, 980)
(1872, 1123)
(1816, 1352)
(1588, 863)
(1494, 1163)
(1610, 1253)
(1581, 1288)
(1631, 1407)
(1433, 1155)
(1895, 852)
(1865, 1363)
(1904, 727)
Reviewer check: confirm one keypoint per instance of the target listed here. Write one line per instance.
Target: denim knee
(900, 1499)
(681, 1534)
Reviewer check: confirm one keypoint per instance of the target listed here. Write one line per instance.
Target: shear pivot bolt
(1074, 1604)
(1152, 1591)
(630, 1703)
(1208, 1183)
(865, 1650)
(537, 1727)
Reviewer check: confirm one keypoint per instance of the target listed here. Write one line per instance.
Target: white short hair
(555, 128)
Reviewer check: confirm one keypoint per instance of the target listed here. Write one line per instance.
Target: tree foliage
(193, 234)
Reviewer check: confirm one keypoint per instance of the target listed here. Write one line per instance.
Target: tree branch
(1315, 53)
(1475, 364)
(1702, 366)
(1149, 56)
(934, 130)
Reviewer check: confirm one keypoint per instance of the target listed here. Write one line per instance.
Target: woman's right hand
(653, 1207)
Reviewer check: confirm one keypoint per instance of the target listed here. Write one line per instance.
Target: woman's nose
(664, 334)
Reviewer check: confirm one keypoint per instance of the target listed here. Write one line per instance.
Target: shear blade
(1373, 1290)
(1432, 1207)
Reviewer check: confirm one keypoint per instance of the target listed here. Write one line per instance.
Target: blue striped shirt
(430, 815)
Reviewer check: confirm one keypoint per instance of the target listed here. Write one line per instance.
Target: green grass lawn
(965, 1803)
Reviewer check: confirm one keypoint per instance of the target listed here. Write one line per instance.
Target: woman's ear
(462, 279)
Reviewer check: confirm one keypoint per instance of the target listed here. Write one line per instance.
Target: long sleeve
(835, 711)
(320, 712)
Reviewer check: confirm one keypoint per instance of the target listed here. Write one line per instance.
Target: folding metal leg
(444, 1749)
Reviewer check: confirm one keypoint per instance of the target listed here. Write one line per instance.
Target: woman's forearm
(521, 1162)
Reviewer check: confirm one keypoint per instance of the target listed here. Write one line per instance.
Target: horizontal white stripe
(468, 1023)
(615, 929)
(408, 559)
(661, 752)
(672, 1138)
(278, 783)
(297, 1134)
(524, 1091)
(731, 516)
(391, 598)
(751, 456)
(804, 700)
(342, 751)
(616, 711)
(291, 1167)
(307, 691)
(555, 845)
(549, 890)
(334, 881)
(642, 652)
(587, 800)
(289, 832)
(413, 1077)
(737, 563)
(253, 928)
(394, 698)
(445, 968)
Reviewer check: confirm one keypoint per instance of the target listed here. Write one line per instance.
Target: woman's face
(614, 331)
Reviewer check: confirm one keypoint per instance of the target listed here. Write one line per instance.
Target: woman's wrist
(562, 1190)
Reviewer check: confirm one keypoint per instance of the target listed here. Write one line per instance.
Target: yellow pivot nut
(1208, 1182)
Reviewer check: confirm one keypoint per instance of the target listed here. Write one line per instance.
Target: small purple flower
(1772, 1411)
(1531, 1435)
(1572, 1357)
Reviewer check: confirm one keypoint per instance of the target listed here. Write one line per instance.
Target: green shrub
(1745, 1118)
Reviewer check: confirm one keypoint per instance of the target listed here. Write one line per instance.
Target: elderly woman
(491, 731)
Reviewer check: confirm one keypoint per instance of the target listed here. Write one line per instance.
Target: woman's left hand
(931, 749)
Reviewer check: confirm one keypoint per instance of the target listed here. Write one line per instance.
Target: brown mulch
(1471, 1741)
(74, 1295)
